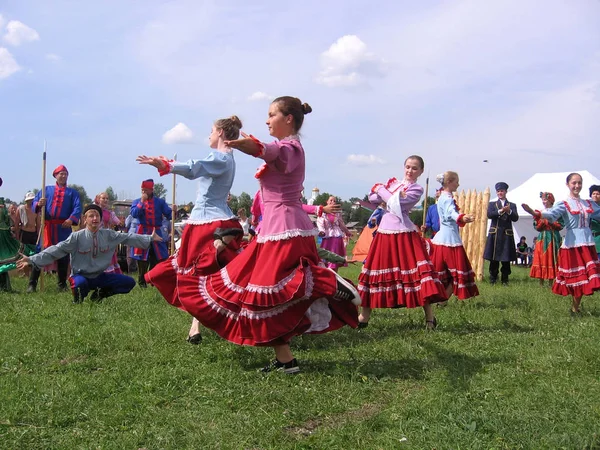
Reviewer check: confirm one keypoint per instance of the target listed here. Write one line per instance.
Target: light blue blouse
(448, 234)
(215, 175)
(577, 214)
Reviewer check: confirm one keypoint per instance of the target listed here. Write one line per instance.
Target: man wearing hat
(149, 210)
(61, 210)
(28, 221)
(594, 224)
(500, 244)
(91, 251)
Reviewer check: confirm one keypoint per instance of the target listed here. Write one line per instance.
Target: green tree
(233, 203)
(244, 201)
(111, 194)
(160, 191)
(84, 199)
(322, 199)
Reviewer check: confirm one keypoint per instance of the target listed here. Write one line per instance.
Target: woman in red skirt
(212, 235)
(545, 252)
(276, 288)
(578, 265)
(448, 254)
(398, 271)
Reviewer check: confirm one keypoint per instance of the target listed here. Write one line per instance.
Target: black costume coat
(500, 244)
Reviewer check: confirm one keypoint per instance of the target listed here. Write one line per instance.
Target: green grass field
(509, 369)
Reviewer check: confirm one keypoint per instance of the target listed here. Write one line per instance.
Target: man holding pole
(149, 210)
(61, 208)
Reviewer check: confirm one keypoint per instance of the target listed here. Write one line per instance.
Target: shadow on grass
(502, 304)
(472, 328)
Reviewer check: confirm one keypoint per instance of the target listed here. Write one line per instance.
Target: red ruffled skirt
(545, 262)
(452, 266)
(270, 293)
(399, 273)
(578, 271)
(197, 254)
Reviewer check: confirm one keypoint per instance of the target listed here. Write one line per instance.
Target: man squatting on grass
(91, 251)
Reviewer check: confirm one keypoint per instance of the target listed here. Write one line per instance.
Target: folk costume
(595, 224)
(578, 265)
(197, 253)
(150, 214)
(500, 245)
(448, 254)
(62, 203)
(398, 271)
(91, 253)
(275, 289)
(545, 252)
(109, 221)
(333, 230)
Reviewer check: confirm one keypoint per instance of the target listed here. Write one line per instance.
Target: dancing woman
(275, 289)
(211, 218)
(398, 271)
(545, 253)
(332, 230)
(448, 254)
(578, 265)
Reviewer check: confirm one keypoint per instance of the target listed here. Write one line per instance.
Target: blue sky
(515, 83)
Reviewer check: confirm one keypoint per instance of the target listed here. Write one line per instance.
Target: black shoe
(142, 284)
(220, 233)
(362, 325)
(345, 290)
(493, 281)
(31, 289)
(505, 283)
(95, 296)
(431, 325)
(62, 287)
(289, 368)
(77, 297)
(195, 339)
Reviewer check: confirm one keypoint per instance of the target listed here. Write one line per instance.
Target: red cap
(148, 184)
(59, 169)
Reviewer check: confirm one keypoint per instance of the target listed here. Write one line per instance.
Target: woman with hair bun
(276, 288)
(545, 253)
(448, 254)
(578, 265)
(212, 235)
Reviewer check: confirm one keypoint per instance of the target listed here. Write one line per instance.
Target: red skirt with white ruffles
(578, 271)
(197, 254)
(399, 273)
(452, 265)
(271, 292)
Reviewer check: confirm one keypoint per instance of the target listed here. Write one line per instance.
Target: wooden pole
(482, 231)
(174, 211)
(43, 213)
(425, 201)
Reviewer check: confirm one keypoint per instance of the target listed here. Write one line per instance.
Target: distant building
(313, 196)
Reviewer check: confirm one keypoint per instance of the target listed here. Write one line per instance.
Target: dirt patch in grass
(310, 426)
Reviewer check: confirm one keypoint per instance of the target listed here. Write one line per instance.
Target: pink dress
(333, 230)
(110, 220)
(276, 288)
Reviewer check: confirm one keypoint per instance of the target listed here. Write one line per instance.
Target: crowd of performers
(277, 286)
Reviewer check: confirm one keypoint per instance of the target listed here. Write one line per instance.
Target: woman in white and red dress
(448, 254)
(332, 230)
(398, 271)
(275, 289)
(210, 219)
(578, 265)
(109, 220)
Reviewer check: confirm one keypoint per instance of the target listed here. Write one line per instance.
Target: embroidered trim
(379, 230)
(205, 221)
(589, 209)
(273, 288)
(443, 244)
(376, 272)
(579, 283)
(286, 235)
(398, 287)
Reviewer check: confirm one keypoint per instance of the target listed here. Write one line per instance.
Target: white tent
(529, 193)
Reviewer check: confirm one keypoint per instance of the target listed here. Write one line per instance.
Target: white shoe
(346, 290)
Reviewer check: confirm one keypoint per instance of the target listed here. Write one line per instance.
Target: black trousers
(145, 266)
(494, 265)
(62, 268)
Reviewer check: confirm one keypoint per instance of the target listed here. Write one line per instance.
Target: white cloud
(18, 33)
(259, 95)
(179, 134)
(8, 65)
(348, 63)
(364, 160)
(53, 57)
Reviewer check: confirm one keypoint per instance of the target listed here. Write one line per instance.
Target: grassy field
(509, 369)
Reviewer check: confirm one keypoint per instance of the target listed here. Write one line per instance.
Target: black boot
(220, 233)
